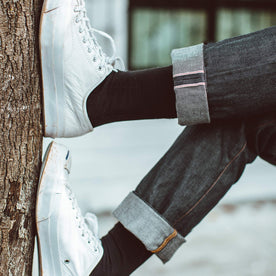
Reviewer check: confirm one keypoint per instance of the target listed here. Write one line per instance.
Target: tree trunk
(21, 132)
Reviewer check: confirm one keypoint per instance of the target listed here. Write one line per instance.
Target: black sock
(133, 95)
(123, 253)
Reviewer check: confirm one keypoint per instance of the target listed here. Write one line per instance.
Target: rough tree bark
(21, 132)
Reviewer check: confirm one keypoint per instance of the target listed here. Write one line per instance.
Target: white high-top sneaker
(73, 65)
(68, 242)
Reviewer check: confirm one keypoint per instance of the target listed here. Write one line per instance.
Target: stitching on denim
(166, 241)
(213, 185)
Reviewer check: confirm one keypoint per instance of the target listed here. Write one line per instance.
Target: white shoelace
(86, 232)
(90, 39)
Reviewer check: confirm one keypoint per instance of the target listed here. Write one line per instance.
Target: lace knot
(90, 39)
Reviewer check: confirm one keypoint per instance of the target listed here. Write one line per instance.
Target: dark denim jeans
(241, 75)
(206, 160)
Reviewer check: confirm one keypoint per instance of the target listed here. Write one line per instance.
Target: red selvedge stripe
(188, 73)
(190, 85)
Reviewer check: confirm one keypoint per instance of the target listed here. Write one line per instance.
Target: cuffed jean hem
(149, 227)
(190, 85)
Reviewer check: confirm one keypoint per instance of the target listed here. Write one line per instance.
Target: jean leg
(233, 78)
(241, 75)
(191, 178)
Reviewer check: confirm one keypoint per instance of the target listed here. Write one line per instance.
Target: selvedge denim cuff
(149, 227)
(190, 85)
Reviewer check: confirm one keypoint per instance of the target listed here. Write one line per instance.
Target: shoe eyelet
(94, 59)
(82, 235)
(89, 241)
(67, 261)
(100, 68)
(77, 20)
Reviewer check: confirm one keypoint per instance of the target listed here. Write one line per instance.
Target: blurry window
(157, 27)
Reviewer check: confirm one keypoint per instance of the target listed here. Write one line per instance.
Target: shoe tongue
(92, 223)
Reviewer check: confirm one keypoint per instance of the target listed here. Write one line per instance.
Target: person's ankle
(123, 253)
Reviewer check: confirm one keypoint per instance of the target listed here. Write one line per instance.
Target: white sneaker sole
(51, 37)
(47, 203)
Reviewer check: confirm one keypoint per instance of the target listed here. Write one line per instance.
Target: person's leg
(234, 78)
(241, 75)
(133, 95)
(201, 166)
(223, 76)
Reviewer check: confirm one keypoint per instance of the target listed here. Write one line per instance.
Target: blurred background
(239, 236)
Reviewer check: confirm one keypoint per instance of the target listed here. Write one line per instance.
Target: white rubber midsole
(47, 209)
(52, 30)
